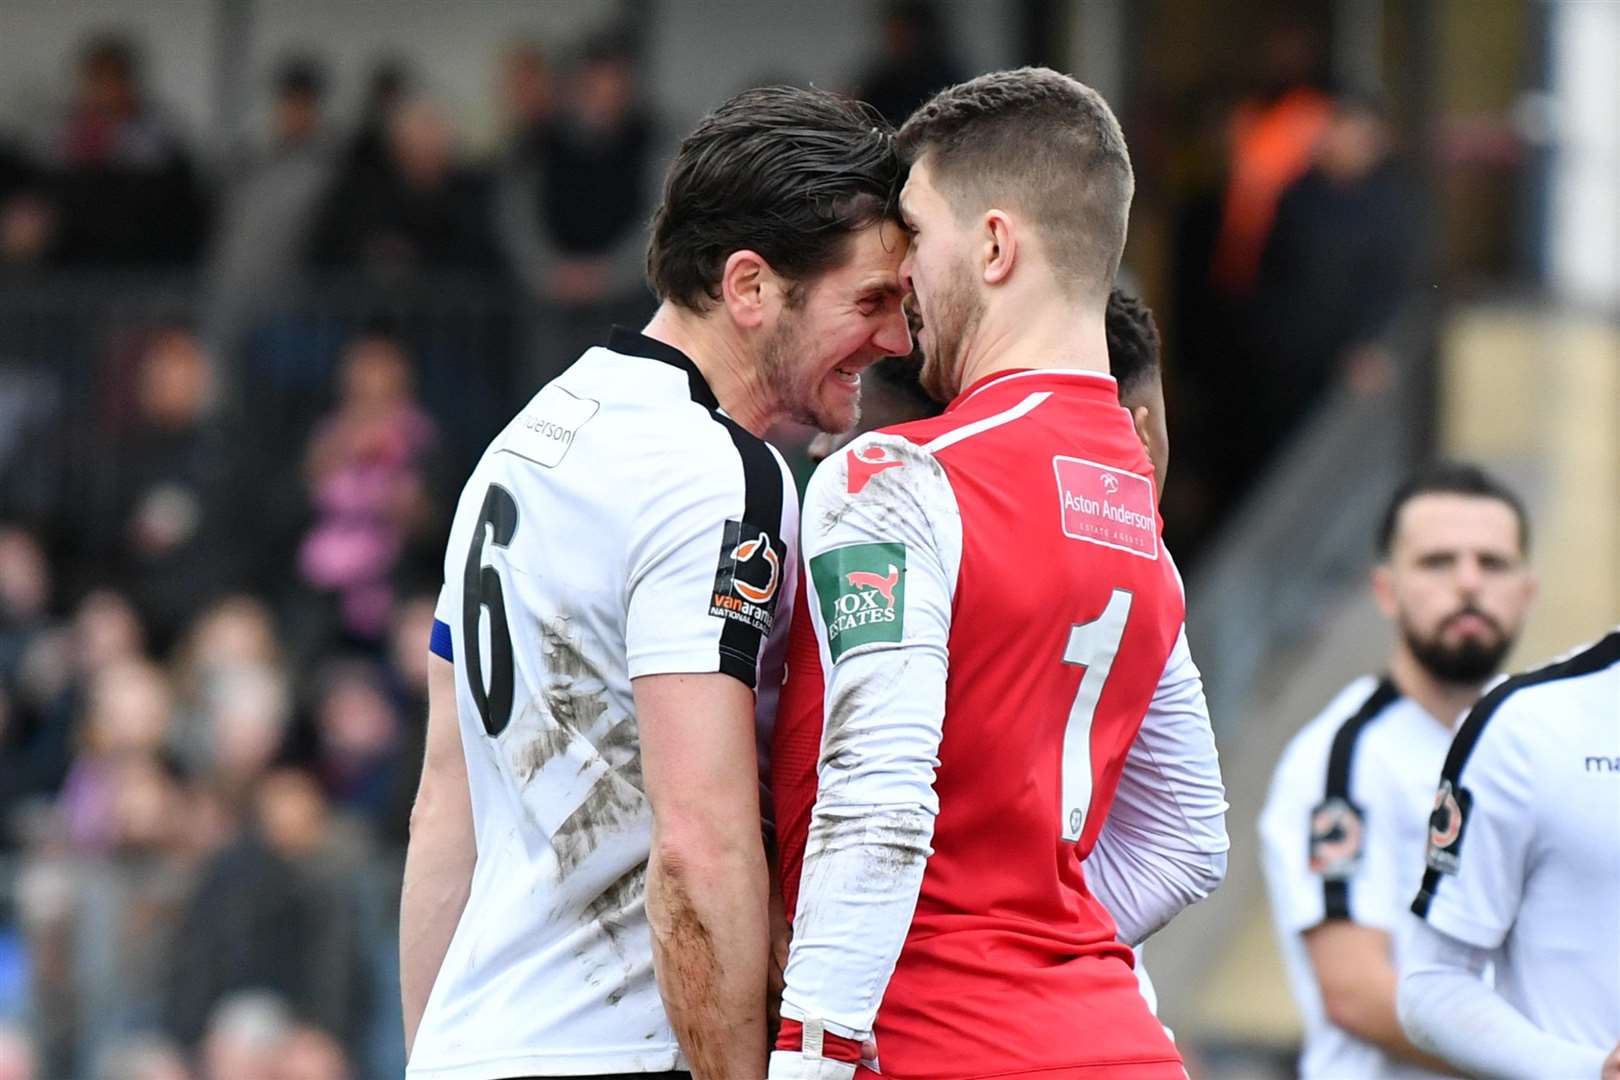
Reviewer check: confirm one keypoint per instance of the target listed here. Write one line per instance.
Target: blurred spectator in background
(358, 738)
(308, 1053)
(1273, 135)
(1340, 260)
(528, 94)
(369, 470)
(408, 656)
(573, 206)
(245, 1036)
(410, 208)
(27, 217)
(173, 541)
(127, 189)
(275, 911)
(270, 203)
(142, 1057)
(17, 1058)
(389, 83)
(915, 63)
(128, 717)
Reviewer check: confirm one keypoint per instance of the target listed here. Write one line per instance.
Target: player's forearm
(710, 938)
(1447, 1009)
(439, 865)
(863, 870)
(1367, 1011)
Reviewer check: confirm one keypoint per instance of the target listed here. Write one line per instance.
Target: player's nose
(893, 336)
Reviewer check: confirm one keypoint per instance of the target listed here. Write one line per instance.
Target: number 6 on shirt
(1092, 645)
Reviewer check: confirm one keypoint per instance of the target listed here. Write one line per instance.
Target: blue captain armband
(440, 644)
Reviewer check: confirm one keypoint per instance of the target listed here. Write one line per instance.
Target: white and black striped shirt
(621, 525)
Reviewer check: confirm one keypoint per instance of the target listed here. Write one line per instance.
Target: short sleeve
(1331, 858)
(1481, 833)
(1374, 889)
(709, 563)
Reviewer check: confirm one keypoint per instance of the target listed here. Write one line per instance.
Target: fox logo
(747, 550)
(865, 579)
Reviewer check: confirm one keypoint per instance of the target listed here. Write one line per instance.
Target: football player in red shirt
(1012, 542)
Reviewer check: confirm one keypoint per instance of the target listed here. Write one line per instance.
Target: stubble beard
(792, 387)
(957, 312)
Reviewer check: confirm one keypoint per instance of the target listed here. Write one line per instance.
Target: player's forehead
(1448, 521)
(918, 194)
(871, 262)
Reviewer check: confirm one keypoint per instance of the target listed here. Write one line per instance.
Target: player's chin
(837, 404)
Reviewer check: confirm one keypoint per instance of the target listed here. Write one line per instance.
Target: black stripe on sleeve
(1336, 797)
(1603, 653)
(763, 495)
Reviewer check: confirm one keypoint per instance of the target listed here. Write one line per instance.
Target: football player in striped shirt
(1523, 873)
(1345, 820)
(586, 885)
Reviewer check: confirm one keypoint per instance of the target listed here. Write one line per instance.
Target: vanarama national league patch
(748, 578)
(862, 590)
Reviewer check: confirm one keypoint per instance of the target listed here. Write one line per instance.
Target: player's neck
(1057, 336)
(1446, 701)
(732, 374)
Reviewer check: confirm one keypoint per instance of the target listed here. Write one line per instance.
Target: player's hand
(792, 1065)
(1611, 1065)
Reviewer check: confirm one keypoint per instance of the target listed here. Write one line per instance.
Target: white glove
(793, 1065)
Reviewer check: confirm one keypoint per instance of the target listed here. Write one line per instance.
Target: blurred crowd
(227, 466)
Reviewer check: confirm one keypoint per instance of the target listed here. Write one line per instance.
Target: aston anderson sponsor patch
(1104, 505)
(749, 576)
(862, 590)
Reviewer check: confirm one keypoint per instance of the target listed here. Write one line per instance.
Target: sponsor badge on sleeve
(1446, 826)
(862, 591)
(748, 577)
(1336, 840)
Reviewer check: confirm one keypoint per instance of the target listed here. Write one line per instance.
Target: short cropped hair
(1133, 342)
(785, 172)
(1034, 140)
(1450, 478)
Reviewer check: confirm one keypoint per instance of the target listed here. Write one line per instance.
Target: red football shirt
(986, 588)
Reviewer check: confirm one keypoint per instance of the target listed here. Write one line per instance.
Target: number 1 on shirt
(1092, 645)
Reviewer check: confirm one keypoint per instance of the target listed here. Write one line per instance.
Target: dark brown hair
(785, 172)
(1036, 141)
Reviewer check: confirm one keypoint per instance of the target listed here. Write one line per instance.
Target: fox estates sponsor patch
(1107, 506)
(862, 589)
(749, 576)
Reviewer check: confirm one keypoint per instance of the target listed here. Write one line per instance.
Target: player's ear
(1140, 416)
(999, 247)
(1383, 585)
(748, 287)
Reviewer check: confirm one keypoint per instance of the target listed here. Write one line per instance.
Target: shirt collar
(1073, 376)
(631, 343)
